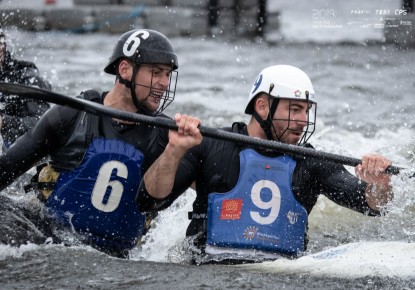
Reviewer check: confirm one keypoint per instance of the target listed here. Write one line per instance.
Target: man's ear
(261, 106)
(125, 69)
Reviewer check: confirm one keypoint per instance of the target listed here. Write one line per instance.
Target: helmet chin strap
(266, 124)
(131, 85)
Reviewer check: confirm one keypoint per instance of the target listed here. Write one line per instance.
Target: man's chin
(154, 109)
(293, 140)
(152, 106)
(148, 109)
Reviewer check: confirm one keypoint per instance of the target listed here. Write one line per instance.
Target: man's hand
(372, 170)
(187, 135)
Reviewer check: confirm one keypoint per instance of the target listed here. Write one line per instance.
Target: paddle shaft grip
(99, 109)
(287, 148)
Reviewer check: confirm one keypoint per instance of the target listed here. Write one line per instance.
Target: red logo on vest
(231, 209)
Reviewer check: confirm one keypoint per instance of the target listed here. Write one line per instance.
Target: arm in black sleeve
(185, 175)
(26, 111)
(342, 187)
(48, 135)
(15, 126)
(27, 73)
(31, 77)
(146, 202)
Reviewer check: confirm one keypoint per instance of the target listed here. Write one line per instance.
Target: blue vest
(98, 197)
(261, 211)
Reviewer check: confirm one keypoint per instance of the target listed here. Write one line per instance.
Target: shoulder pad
(25, 64)
(90, 95)
(237, 127)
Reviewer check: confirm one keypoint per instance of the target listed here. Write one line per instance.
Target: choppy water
(365, 103)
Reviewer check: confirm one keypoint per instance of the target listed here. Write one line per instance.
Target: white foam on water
(355, 260)
(7, 251)
(167, 232)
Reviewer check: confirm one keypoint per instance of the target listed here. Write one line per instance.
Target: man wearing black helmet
(18, 115)
(253, 204)
(96, 162)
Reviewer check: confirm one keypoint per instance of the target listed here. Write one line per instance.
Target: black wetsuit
(215, 164)
(20, 114)
(64, 134)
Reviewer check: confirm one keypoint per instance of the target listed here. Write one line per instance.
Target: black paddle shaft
(99, 109)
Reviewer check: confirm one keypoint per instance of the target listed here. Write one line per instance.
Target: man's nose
(165, 80)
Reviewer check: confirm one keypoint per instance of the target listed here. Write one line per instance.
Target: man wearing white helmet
(289, 89)
(253, 204)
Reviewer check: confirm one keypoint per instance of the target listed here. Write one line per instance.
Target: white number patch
(103, 182)
(273, 205)
(133, 42)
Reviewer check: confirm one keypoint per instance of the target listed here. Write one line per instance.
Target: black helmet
(143, 46)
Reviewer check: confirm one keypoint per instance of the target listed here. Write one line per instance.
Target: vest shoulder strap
(91, 95)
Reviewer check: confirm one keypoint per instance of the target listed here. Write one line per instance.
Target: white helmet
(282, 81)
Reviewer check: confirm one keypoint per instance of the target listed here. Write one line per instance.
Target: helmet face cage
(308, 130)
(169, 94)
